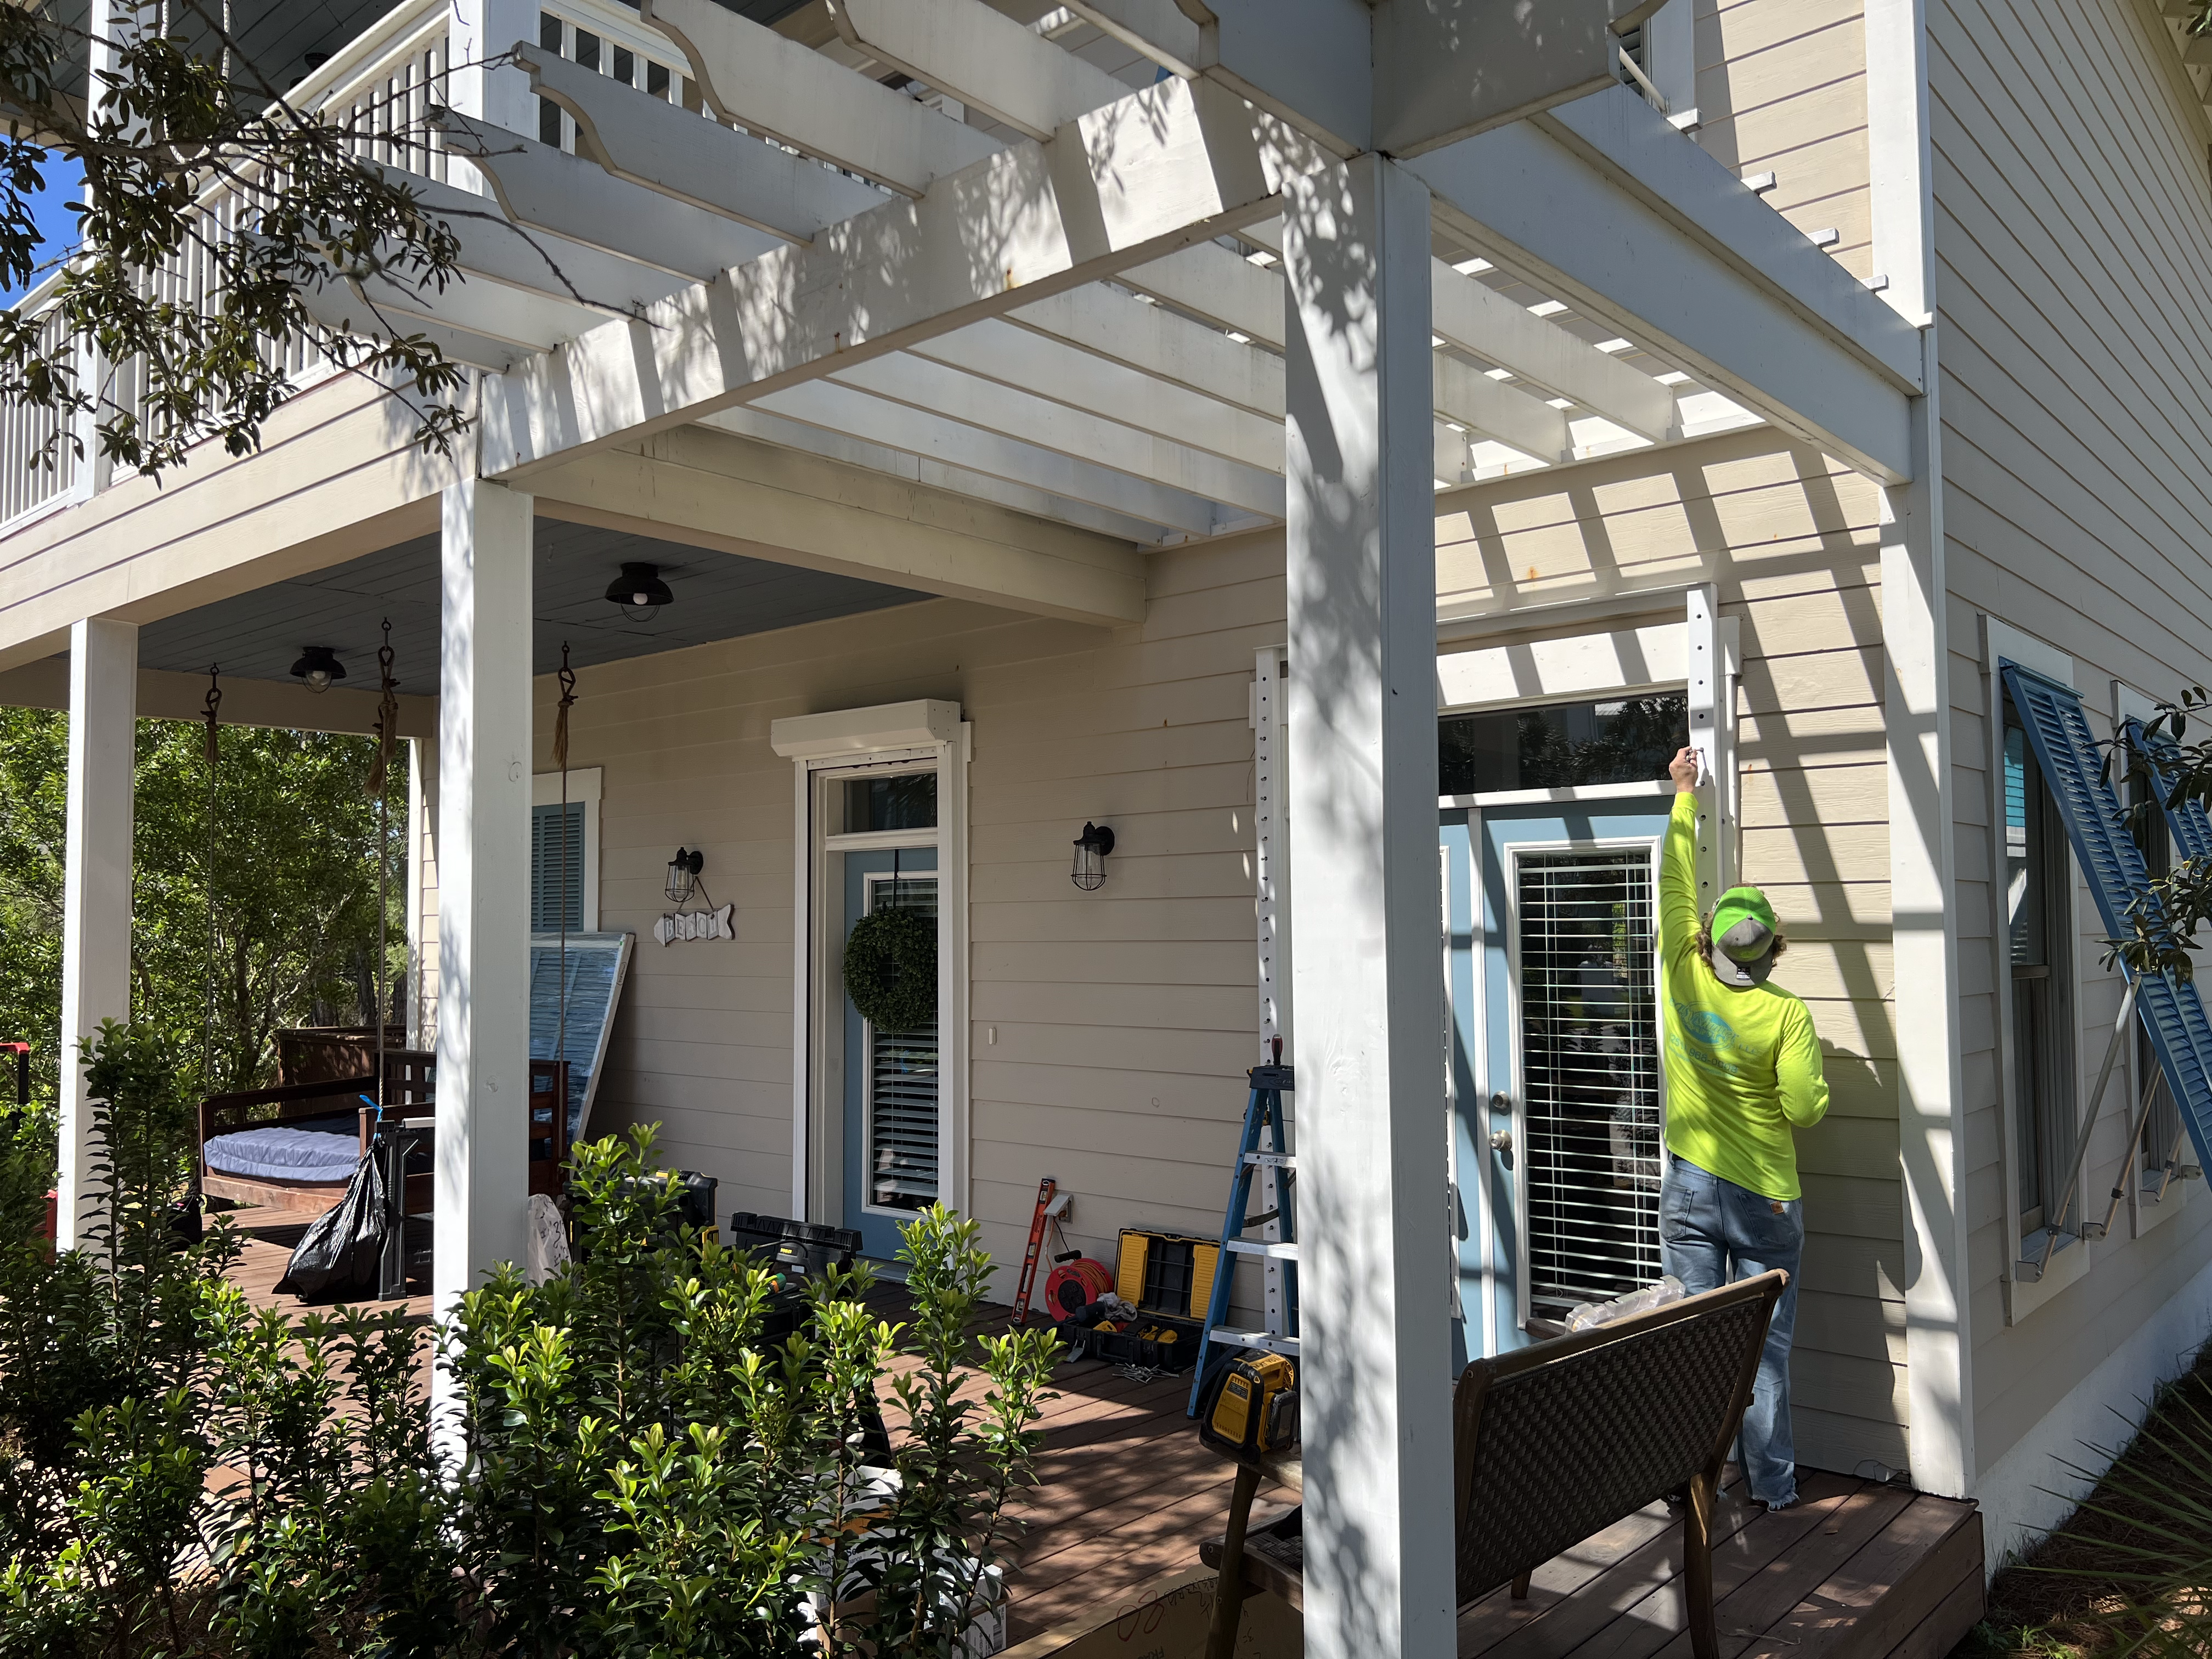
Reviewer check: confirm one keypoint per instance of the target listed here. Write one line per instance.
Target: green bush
(632, 1468)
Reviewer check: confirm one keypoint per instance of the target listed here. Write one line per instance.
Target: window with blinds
(557, 869)
(901, 1122)
(1589, 1036)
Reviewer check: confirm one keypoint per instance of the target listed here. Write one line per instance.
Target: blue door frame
(1479, 965)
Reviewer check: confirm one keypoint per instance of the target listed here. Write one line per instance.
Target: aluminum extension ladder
(1263, 1116)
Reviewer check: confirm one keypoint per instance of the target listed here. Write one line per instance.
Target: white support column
(1932, 1100)
(1376, 1360)
(422, 892)
(483, 880)
(479, 32)
(95, 882)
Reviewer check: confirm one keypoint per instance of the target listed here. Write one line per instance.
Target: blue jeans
(1712, 1232)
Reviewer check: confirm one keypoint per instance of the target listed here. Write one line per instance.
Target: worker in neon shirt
(1743, 1070)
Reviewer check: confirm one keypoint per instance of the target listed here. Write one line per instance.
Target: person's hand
(1683, 769)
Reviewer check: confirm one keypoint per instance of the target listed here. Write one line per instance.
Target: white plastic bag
(548, 1247)
(1587, 1316)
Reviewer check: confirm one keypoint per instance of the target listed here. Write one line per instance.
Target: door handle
(1501, 1142)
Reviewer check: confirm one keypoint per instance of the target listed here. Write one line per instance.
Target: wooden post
(1376, 1358)
(95, 883)
(483, 902)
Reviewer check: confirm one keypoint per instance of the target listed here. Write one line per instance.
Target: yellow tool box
(1169, 1273)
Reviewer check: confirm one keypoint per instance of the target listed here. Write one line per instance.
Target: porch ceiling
(719, 596)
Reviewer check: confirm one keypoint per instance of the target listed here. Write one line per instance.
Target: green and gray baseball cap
(1743, 938)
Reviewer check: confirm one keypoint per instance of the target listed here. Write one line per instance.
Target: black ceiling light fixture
(1091, 848)
(317, 666)
(640, 592)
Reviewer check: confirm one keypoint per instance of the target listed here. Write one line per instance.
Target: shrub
(636, 1464)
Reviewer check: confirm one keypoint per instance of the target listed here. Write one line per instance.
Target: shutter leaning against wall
(2190, 824)
(554, 884)
(2072, 770)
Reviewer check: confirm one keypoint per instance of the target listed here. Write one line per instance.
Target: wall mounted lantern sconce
(1091, 848)
(684, 875)
(317, 666)
(640, 592)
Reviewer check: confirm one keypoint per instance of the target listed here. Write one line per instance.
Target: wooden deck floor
(1855, 1571)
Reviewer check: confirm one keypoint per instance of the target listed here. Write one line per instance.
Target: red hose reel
(1074, 1285)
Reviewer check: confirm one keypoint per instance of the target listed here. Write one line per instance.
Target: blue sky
(56, 227)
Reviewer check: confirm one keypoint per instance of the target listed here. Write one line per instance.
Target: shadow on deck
(1856, 1571)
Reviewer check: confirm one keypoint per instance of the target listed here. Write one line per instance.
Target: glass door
(1555, 1050)
(891, 1119)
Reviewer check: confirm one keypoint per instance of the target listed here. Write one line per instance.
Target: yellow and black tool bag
(1253, 1406)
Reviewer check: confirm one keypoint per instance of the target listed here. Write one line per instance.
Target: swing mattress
(286, 1153)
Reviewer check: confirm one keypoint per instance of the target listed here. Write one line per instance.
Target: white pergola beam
(1161, 343)
(922, 433)
(103, 683)
(341, 305)
(710, 489)
(1156, 29)
(753, 422)
(543, 188)
(1208, 281)
(667, 149)
(493, 310)
(769, 84)
(981, 57)
(1477, 317)
(1164, 168)
(933, 388)
(1500, 411)
(1034, 364)
(1561, 216)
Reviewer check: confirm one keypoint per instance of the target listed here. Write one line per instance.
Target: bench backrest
(1557, 1441)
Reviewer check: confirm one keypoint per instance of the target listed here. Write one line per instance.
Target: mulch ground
(2048, 1603)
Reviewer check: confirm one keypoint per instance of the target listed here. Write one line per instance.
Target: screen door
(892, 1128)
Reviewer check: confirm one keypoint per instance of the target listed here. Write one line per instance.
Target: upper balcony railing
(381, 86)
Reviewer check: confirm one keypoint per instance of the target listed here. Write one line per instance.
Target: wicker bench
(1555, 1442)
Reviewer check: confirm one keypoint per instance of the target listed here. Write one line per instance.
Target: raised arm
(1677, 861)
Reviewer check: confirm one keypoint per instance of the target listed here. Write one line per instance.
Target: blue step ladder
(1274, 1167)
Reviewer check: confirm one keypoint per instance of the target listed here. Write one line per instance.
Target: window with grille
(901, 1123)
(1590, 1046)
(556, 882)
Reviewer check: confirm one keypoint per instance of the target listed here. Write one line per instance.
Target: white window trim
(2072, 1257)
(584, 786)
(819, 747)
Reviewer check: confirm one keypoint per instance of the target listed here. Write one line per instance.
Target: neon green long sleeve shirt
(1743, 1067)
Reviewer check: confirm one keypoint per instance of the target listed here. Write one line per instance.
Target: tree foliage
(190, 160)
(289, 854)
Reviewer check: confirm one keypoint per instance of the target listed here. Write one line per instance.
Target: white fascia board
(667, 149)
(898, 426)
(982, 57)
(1208, 281)
(1034, 364)
(1161, 343)
(753, 422)
(1621, 134)
(936, 389)
(544, 188)
(1477, 317)
(921, 724)
(1545, 212)
(1496, 410)
(769, 84)
(529, 257)
(1171, 165)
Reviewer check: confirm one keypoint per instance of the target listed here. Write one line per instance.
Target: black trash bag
(343, 1250)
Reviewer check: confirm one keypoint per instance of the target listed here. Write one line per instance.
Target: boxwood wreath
(890, 970)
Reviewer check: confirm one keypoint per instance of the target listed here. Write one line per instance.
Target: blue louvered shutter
(596, 965)
(556, 882)
(2073, 770)
(2190, 824)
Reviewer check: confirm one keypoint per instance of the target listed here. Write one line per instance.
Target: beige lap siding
(1782, 89)
(1792, 541)
(2073, 223)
